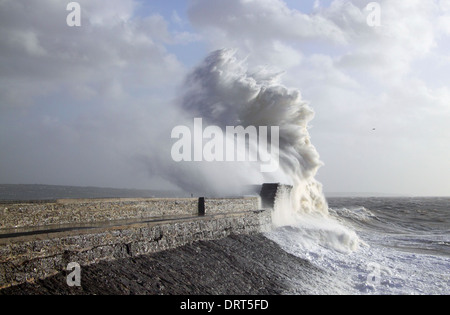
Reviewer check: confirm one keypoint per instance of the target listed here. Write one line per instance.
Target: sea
(365, 246)
(375, 246)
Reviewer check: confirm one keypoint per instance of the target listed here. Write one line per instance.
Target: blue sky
(173, 10)
(175, 13)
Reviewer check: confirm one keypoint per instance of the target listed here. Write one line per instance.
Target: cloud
(38, 47)
(261, 28)
(357, 77)
(88, 104)
(78, 106)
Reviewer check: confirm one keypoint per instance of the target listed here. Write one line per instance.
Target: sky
(94, 105)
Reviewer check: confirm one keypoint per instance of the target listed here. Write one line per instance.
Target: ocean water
(375, 246)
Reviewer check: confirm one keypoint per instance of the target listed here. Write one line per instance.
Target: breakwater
(39, 239)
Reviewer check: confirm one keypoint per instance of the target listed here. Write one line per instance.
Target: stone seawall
(38, 240)
(33, 214)
(67, 211)
(236, 265)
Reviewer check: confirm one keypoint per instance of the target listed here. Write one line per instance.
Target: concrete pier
(39, 239)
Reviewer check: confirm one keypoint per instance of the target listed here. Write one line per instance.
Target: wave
(393, 245)
(225, 92)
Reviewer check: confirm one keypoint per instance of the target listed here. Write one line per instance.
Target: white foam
(225, 92)
(375, 267)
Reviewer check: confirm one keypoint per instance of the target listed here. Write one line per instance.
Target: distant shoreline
(25, 192)
(42, 193)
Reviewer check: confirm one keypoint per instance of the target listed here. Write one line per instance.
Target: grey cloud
(38, 47)
(78, 106)
(356, 77)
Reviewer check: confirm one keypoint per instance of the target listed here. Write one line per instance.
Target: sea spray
(225, 92)
(310, 229)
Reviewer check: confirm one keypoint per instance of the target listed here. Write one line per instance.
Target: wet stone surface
(236, 265)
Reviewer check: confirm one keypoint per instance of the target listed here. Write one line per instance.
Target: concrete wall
(64, 212)
(40, 239)
(270, 193)
(87, 211)
(215, 206)
(37, 257)
(156, 225)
